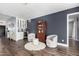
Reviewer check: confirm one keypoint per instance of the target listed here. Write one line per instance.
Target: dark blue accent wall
(57, 24)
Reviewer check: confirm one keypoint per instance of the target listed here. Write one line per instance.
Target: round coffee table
(30, 46)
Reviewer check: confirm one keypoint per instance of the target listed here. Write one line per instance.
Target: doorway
(72, 29)
(2, 31)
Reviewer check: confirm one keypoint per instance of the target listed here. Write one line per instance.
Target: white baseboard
(61, 44)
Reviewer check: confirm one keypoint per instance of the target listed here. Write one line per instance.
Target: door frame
(68, 25)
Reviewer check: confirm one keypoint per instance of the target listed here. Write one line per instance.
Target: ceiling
(33, 10)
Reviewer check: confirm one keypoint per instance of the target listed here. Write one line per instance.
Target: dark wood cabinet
(41, 30)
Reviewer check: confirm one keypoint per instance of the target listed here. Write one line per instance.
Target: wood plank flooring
(12, 48)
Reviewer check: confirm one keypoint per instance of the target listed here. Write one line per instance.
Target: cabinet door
(41, 37)
(20, 25)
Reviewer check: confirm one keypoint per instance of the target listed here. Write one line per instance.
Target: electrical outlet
(62, 40)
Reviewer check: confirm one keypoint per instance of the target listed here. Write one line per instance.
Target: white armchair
(51, 41)
(31, 36)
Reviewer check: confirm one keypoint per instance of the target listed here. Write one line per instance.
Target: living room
(37, 29)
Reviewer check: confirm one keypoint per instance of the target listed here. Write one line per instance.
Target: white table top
(30, 46)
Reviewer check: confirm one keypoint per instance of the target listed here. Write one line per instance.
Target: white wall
(2, 22)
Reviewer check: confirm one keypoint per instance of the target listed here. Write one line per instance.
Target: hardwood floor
(12, 48)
